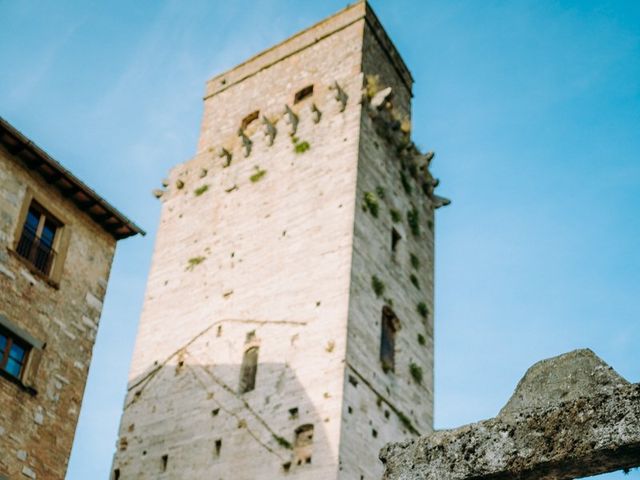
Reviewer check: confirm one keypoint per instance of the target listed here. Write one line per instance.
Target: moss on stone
(377, 285)
(200, 190)
(257, 176)
(371, 202)
(416, 372)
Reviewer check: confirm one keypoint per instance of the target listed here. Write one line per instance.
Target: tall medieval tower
(287, 328)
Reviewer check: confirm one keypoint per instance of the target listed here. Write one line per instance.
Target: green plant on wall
(421, 339)
(422, 309)
(371, 203)
(377, 286)
(396, 216)
(300, 146)
(193, 262)
(257, 176)
(372, 85)
(380, 192)
(415, 261)
(283, 442)
(416, 372)
(200, 190)
(414, 280)
(412, 220)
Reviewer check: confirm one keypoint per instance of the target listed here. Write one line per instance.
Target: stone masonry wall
(381, 407)
(264, 245)
(37, 429)
(263, 242)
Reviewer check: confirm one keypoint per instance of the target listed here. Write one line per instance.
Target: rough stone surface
(589, 424)
(567, 377)
(278, 252)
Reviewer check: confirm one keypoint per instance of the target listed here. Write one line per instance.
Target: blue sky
(533, 108)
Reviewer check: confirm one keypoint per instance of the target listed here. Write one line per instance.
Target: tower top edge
(353, 13)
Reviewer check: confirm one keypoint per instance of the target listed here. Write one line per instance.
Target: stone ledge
(583, 436)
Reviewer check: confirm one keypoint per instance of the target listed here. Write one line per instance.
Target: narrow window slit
(306, 92)
(246, 121)
(395, 238)
(248, 370)
(390, 325)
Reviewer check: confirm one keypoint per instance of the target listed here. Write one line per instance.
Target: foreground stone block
(571, 416)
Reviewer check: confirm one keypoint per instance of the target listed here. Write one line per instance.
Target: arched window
(248, 370)
(302, 448)
(389, 327)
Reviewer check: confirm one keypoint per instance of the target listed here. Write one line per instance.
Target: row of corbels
(292, 118)
(271, 131)
(381, 111)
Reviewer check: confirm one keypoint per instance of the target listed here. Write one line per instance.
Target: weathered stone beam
(596, 429)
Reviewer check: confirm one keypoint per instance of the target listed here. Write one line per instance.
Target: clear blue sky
(533, 108)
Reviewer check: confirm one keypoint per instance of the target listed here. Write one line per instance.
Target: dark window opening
(13, 354)
(165, 461)
(306, 92)
(218, 447)
(303, 445)
(390, 325)
(116, 474)
(293, 413)
(38, 238)
(249, 370)
(246, 121)
(395, 238)
(286, 466)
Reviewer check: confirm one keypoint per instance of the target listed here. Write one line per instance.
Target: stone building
(57, 240)
(287, 327)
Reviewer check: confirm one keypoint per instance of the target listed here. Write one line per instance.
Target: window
(13, 354)
(302, 447)
(395, 238)
(390, 325)
(306, 92)
(248, 370)
(246, 121)
(38, 238)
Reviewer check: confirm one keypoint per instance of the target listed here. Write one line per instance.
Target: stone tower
(287, 328)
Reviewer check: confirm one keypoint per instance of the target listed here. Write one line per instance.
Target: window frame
(60, 243)
(11, 340)
(33, 354)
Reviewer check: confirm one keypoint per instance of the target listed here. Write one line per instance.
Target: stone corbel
(292, 119)
(341, 96)
(227, 155)
(316, 113)
(270, 130)
(247, 144)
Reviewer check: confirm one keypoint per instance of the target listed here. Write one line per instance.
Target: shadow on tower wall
(189, 421)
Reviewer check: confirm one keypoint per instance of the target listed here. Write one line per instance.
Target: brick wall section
(36, 431)
(288, 257)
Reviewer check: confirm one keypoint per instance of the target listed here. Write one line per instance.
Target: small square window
(39, 238)
(306, 92)
(13, 354)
